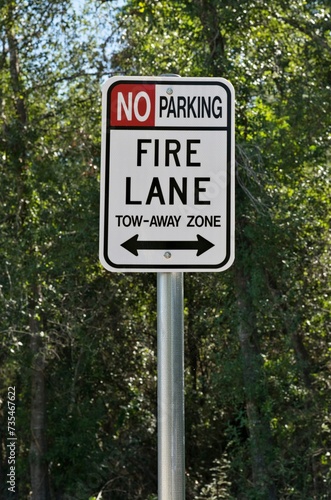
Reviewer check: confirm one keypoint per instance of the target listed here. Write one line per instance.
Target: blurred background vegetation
(78, 343)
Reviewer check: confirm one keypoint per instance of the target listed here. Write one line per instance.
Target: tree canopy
(79, 344)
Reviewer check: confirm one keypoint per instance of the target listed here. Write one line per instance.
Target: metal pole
(170, 356)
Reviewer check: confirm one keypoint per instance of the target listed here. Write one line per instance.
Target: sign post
(170, 369)
(167, 205)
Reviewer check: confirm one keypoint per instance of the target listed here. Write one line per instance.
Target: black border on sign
(164, 267)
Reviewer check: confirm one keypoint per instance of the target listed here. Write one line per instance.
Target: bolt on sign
(167, 174)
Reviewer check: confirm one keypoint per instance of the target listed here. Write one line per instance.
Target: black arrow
(201, 245)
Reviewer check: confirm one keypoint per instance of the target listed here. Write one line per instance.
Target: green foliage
(273, 55)
(220, 486)
(257, 350)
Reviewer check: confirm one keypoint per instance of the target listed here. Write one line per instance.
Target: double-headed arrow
(201, 245)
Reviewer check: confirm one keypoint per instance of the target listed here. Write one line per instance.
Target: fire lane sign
(167, 174)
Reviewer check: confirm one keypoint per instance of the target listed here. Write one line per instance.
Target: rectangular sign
(167, 174)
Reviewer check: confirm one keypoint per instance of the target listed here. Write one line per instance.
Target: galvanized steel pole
(170, 356)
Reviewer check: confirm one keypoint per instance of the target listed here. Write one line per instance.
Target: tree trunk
(38, 463)
(210, 20)
(259, 429)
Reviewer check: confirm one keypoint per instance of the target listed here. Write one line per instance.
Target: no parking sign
(167, 174)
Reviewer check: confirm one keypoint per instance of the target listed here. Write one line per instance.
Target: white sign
(167, 174)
